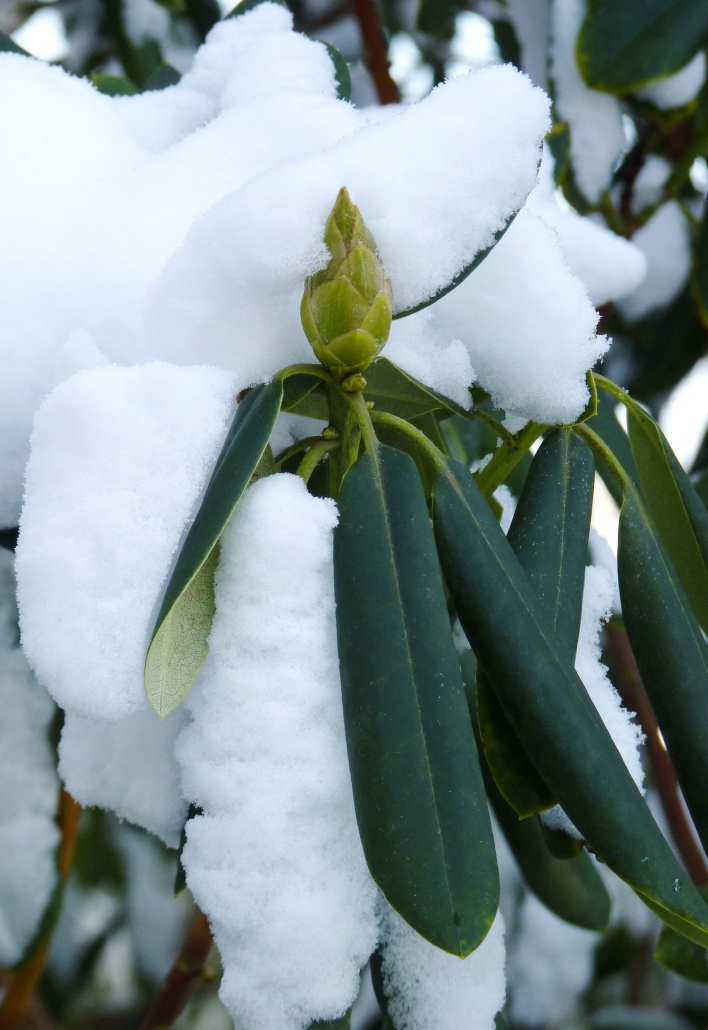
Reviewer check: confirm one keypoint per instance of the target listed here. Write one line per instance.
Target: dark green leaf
(461, 276)
(418, 790)
(681, 956)
(677, 512)
(623, 46)
(333, 1024)
(203, 14)
(699, 275)
(615, 951)
(113, 85)
(247, 5)
(393, 390)
(572, 889)
(163, 76)
(506, 39)
(9, 46)
(341, 72)
(8, 538)
(671, 654)
(548, 706)
(625, 1017)
(512, 769)
(179, 641)
(304, 394)
(437, 17)
(558, 141)
(560, 844)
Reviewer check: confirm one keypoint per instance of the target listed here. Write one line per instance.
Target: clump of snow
(650, 182)
(556, 819)
(665, 242)
(28, 798)
(532, 23)
(434, 182)
(550, 964)
(598, 598)
(595, 119)
(119, 458)
(424, 350)
(127, 765)
(428, 989)
(276, 861)
(608, 265)
(528, 325)
(678, 89)
(128, 176)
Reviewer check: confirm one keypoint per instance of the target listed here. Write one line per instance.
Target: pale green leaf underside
(180, 646)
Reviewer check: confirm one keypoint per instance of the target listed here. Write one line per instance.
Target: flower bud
(346, 308)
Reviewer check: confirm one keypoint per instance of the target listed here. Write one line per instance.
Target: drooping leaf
(513, 772)
(163, 76)
(248, 5)
(437, 17)
(304, 393)
(418, 790)
(677, 512)
(179, 641)
(548, 706)
(681, 956)
(623, 46)
(560, 844)
(342, 75)
(572, 889)
(113, 85)
(670, 651)
(394, 391)
(549, 535)
(461, 276)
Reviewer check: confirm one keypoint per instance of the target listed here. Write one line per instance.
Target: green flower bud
(346, 308)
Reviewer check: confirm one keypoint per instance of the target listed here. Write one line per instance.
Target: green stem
(363, 417)
(299, 445)
(314, 456)
(600, 448)
(492, 423)
(507, 457)
(616, 391)
(383, 418)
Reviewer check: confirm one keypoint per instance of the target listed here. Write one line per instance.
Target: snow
(424, 350)
(275, 861)
(678, 89)
(550, 964)
(650, 182)
(595, 119)
(598, 597)
(119, 458)
(665, 242)
(28, 799)
(429, 200)
(128, 177)
(127, 765)
(528, 325)
(608, 265)
(428, 989)
(532, 22)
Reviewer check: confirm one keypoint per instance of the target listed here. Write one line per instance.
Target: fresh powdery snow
(428, 989)
(28, 800)
(595, 119)
(276, 861)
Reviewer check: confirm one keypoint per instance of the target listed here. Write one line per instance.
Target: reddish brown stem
(183, 979)
(24, 981)
(626, 678)
(375, 50)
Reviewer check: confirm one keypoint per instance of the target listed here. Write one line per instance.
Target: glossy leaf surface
(623, 46)
(179, 642)
(548, 705)
(681, 956)
(677, 512)
(418, 790)
(393, 390)
(670, 651)
(608, 428)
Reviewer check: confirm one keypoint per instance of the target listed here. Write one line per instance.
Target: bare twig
(375, 50)
(184, 977)
(23, 983)
(626, 678)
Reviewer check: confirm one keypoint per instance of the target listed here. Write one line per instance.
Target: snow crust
(595, 119)
(666, 244)
(28, 800)
(678, 89)
(428, 989)
(276, 861)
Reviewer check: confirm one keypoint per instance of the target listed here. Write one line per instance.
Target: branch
(184, 977)
(24, 981)
(626, 677)
(375, 50)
